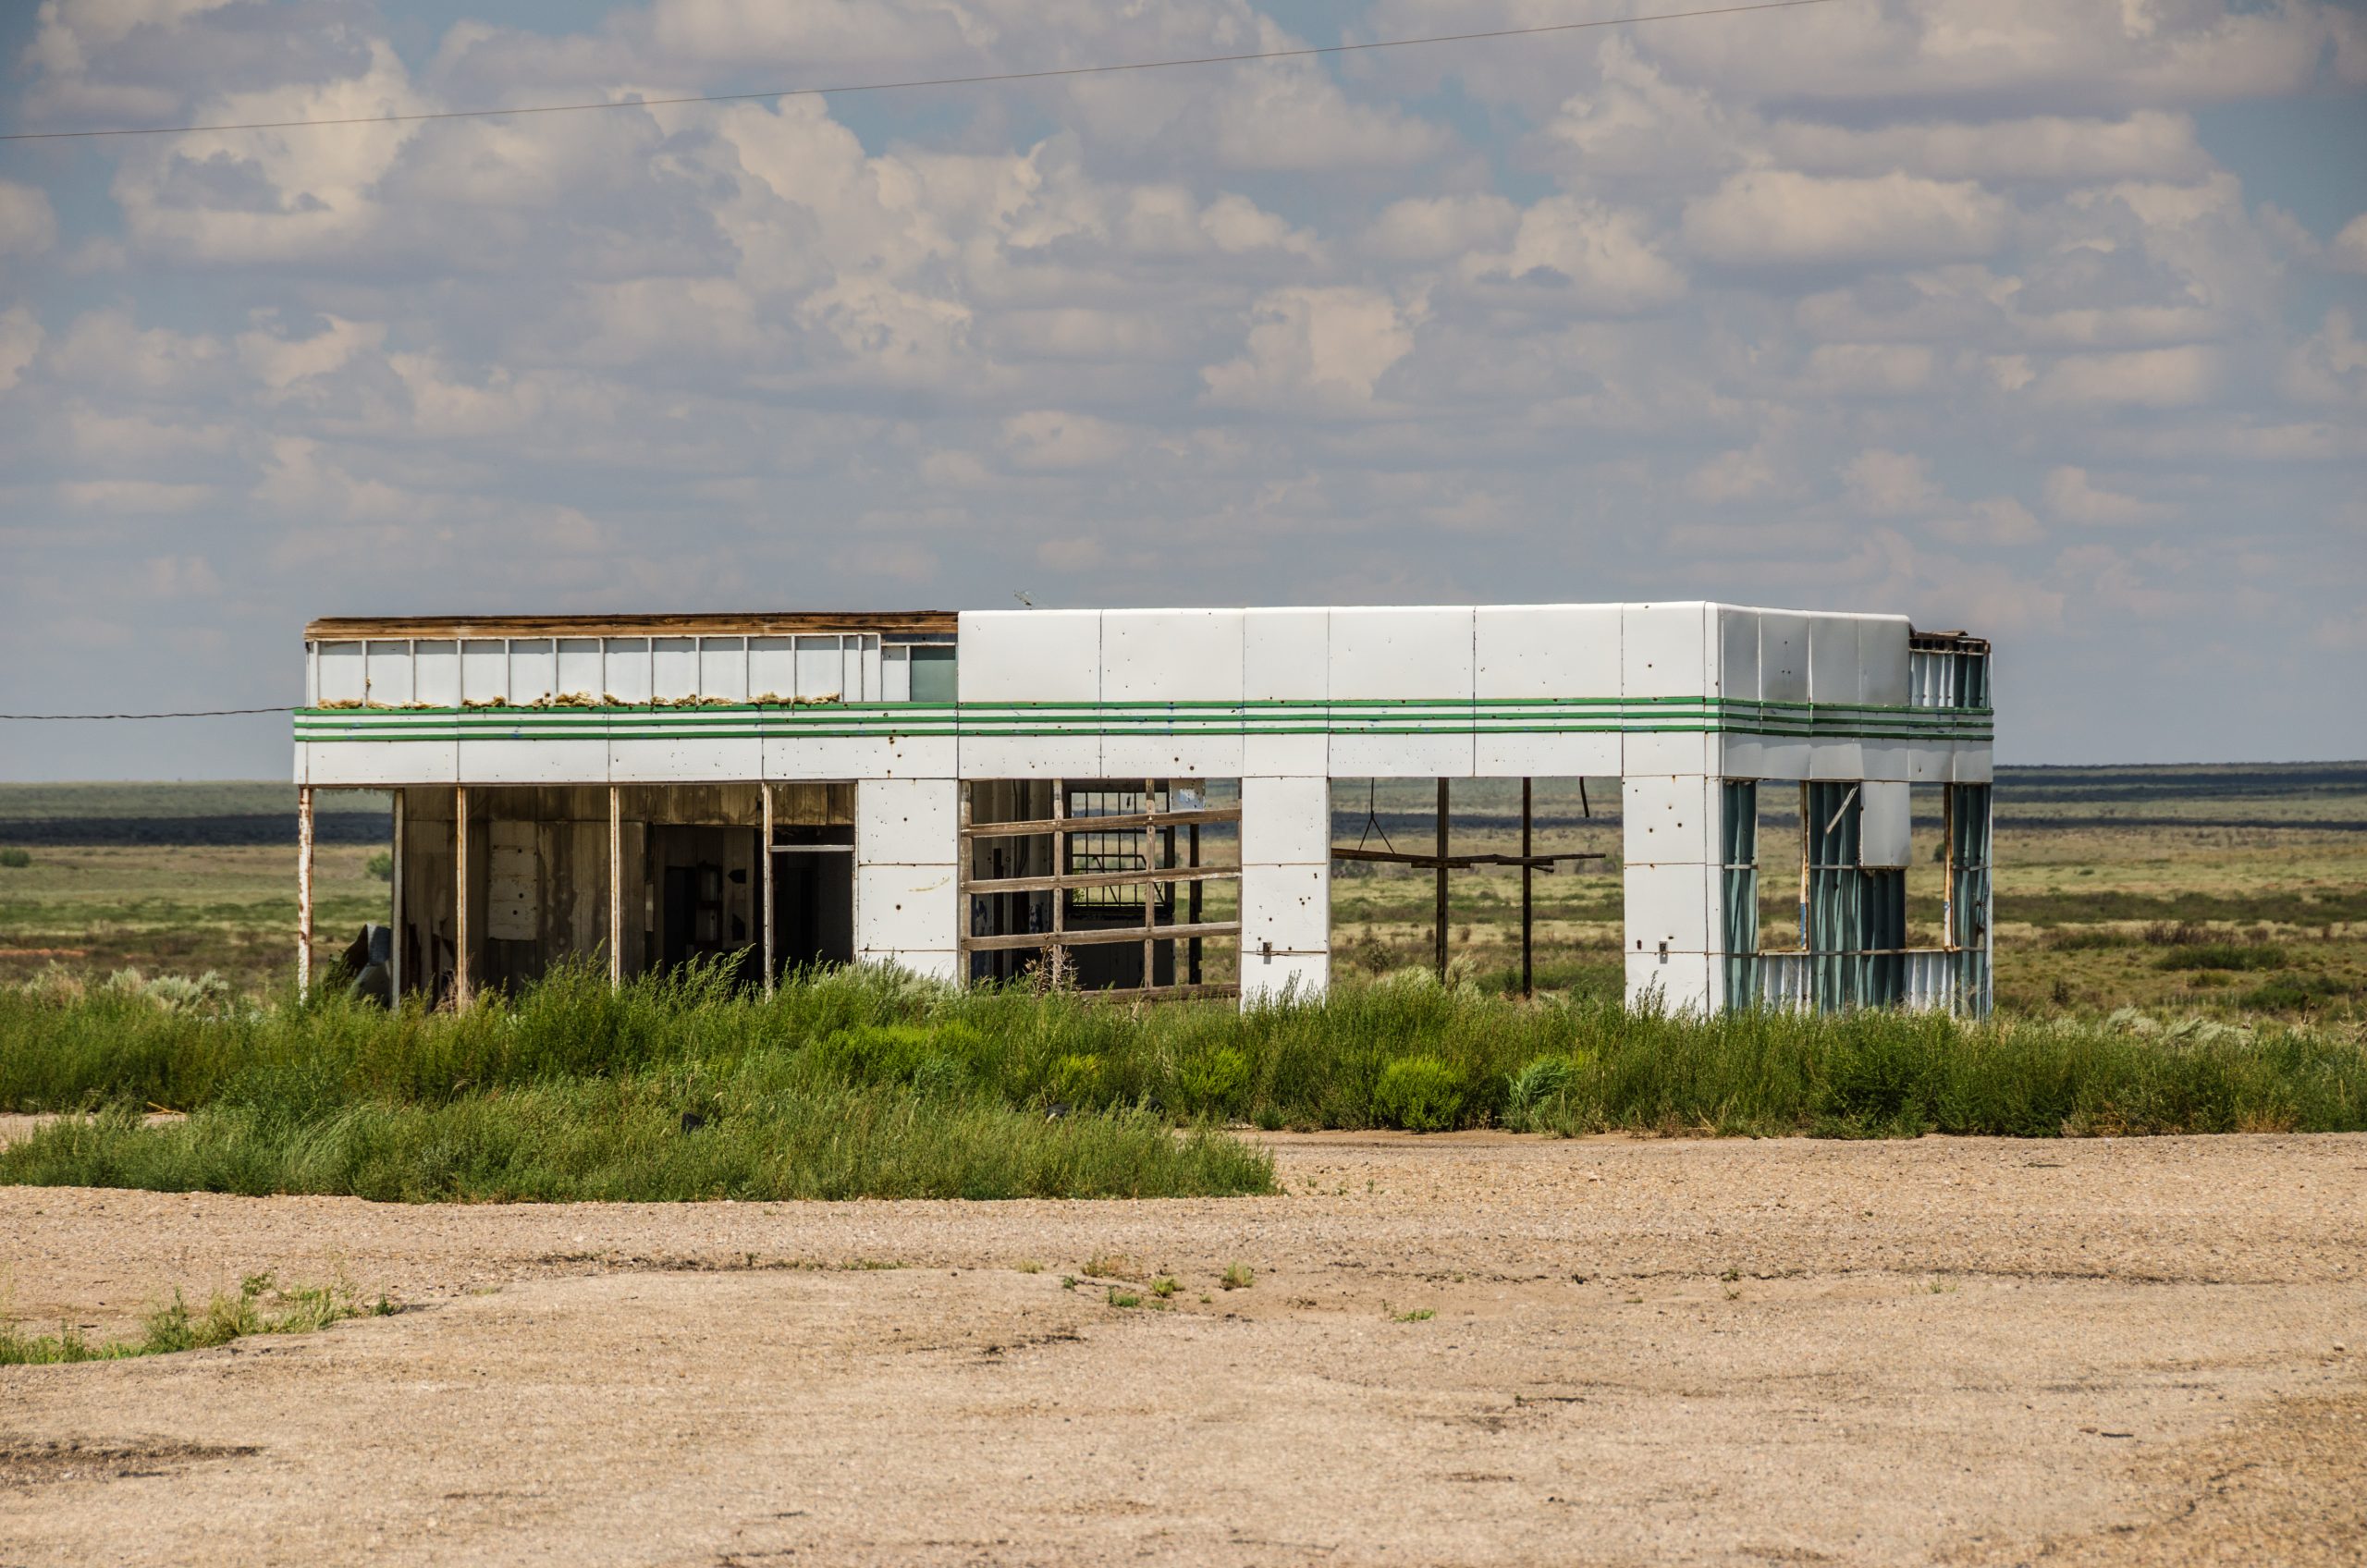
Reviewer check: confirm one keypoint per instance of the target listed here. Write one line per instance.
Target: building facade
(1140, 800)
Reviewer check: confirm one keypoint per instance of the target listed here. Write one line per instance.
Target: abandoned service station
(1140, 800)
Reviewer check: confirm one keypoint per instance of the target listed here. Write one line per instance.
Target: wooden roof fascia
(333, 629)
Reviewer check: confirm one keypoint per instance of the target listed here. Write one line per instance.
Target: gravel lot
(1946, 1350)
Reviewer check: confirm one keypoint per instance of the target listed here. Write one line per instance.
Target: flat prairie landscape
(1469, 1348)
(1576, 1330)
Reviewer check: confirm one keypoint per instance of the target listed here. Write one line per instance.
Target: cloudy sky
(2046, 318)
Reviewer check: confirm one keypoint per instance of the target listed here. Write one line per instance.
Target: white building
(982, 793)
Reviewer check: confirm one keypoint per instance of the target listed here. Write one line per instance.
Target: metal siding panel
(625, 672)
(1547, 757)
(1546, 651)
(821, 670)
(906, 821)
(1285, 656)
(1834, 675)
(380, 762)
(906, 908)
(692, 760)
(496, 760)
(1295, 977)
(1836, 759)
(1881, 658)
(582, 671)
(1680, 983)
(1661, 650)
(1735, 673)
(673, 669)
(1171, 655)
(390, 674)
(533, 671)
(1401, 652)
(1783, 657)
(1885, 831)
(1171, 756)
(1286, 821)
(723, 668)
(1030, 656)
(859, 756)
(485, 670)
(1401, 756)
(1285, 754)
(1030, 756)
(932, 963)
(1666, 820)
(772, 668)
(341, 675)
(1679, 752)
(1287, 905)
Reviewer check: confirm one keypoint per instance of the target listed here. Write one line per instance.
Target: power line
(924, 81)
(199, 713)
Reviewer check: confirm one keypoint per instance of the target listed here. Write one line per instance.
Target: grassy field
(2105, 879)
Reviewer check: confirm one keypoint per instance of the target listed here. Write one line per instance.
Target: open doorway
(813, 896)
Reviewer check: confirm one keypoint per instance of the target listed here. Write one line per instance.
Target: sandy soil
(1950, 1350)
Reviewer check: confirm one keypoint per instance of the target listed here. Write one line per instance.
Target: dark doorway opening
(813, 896)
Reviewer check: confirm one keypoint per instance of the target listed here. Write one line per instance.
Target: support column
(616, 888)
(1286, 888)
(1528, 894)
(765, 879)
(303, 889)
(1669, 842)
(460, 997)
(1441, 883)
(394, 910)
(909, 906)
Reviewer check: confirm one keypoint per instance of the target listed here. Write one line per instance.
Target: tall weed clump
(1402, 1051)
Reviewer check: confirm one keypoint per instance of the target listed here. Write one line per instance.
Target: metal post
(394, 911)
(1195, 903)
(304, 889)
(460, 898)
(1057, 953)
(1528, 893)
(616, 888)
(768, 881)
(1441, 891)
(1150, 888)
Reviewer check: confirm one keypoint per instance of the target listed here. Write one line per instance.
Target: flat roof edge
(330, 629)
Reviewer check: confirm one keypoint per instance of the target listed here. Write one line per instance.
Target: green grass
(2222, 955)
(863, 1082)
(259, 1307)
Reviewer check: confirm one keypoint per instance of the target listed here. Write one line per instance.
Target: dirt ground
(1949, 1351)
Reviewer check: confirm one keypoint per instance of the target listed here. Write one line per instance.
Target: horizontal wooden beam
(1021, 940)
(1100, 824)
(1103, 879)
(333, 629)
(1458, 863)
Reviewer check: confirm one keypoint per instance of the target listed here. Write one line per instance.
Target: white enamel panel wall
(1169, 655)
(1285, 821)
(1400, 652)
(1662, 651)
(907, 904)
(1546, 651)
(1030, 656)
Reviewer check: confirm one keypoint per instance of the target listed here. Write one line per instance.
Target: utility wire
(926, 81)
(201, 712)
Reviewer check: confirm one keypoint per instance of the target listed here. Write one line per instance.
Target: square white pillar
(1285, 887)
